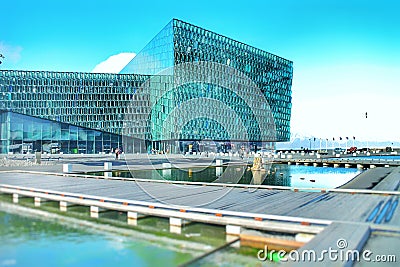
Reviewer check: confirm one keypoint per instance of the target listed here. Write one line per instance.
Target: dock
(237, 207)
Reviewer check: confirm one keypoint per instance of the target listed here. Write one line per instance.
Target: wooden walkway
(240, 200)
(269, 208)
(391, 182)
(337, 236)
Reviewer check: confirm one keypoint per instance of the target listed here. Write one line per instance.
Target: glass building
(187, 84)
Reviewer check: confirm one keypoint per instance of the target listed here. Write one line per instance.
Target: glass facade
(26, 134)
(156, 56)
(189, 106)
(95, 101)
(272, 74)
(186, 84)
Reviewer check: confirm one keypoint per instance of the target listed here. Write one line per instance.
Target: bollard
(37, 201)
(67, 168)
(176, 224)
(63, 206)
(218, 171)
(107, 166)
(219, 162)
(232, 233)
(166, 174)
(166, 165)
(38, 157)
(94, 211)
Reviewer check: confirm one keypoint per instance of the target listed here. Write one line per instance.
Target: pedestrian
(116, 153)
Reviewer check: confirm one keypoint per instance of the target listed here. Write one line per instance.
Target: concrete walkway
(95, 163)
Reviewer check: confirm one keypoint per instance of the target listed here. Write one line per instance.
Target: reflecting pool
(275, 174)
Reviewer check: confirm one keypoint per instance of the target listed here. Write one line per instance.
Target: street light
(326, 145)
(366, 125)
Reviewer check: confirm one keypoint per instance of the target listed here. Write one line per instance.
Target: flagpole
(333, 143)
(326, 145)
(366, 124)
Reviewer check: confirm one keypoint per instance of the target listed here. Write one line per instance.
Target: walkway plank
(391, 182)
(344, 238)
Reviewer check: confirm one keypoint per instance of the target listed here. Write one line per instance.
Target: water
(278, 174)
(27, 241)
(42, 238)
(327, 177)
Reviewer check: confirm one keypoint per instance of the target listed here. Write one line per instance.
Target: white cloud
(11, 53)
(114, 64)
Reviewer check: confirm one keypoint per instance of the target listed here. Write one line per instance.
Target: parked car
(339, 150)
(352, 149)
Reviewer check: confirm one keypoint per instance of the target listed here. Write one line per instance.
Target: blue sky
(346, 54)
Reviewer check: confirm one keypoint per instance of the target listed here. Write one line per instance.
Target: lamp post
(314, 143)
(320, 142)
(326, 145)
(366, 123)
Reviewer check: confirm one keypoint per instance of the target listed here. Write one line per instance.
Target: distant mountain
(298, 141)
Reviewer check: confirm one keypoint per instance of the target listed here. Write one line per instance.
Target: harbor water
(276, 174)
